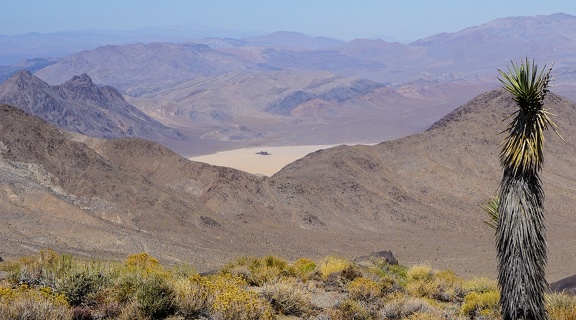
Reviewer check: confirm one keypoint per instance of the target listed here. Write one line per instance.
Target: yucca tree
(520, 232)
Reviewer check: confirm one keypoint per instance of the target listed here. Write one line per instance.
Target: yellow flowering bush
(24, 302)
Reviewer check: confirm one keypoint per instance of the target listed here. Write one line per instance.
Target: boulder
(386, 255)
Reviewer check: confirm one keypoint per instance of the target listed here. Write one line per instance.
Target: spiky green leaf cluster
(522, 152)
(491, 209)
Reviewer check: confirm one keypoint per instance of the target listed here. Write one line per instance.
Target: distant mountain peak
(82, 80)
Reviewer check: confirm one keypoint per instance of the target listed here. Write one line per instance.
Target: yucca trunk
(520, 232)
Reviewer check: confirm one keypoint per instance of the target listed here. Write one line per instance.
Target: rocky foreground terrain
(418, 196)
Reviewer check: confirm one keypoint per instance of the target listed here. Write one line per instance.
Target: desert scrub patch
(480, 285)
(24, 302)
(192, 296)
(41, 270)
(182, 270)
(365, 289)
(354, 309)
(143, 262)
(392, 274)
(257, 271)
(561, 306)
(333, 264)
(429, 315)
(402, 307)
(81, 284)
(155, 297)
(481, 305)
(304, 268)
(444, 286)
(288, 296)
(420, 273)
(231, 300)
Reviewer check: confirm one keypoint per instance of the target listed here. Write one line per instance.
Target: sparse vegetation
(54, 286)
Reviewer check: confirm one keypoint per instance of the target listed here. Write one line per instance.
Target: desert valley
(340, 148)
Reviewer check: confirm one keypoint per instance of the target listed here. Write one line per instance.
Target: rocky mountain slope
(418, 196)
(79, 105)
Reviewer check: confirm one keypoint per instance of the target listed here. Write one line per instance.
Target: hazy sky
(346, 20)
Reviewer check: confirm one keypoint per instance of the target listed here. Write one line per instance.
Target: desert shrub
(80, 286)
(137, 270)
(429, 315)
(304, 268)
(420, 273)
(393, 277)
(29, 303)
(266, 269)
(561, 306)
(42, 270)
(125, 285)
(481, 305)
(354, 309)
(144, 263)
(182, 270)
(443, 286)
(365, 289)
(480, 285)
(288, 296)
(192, 296)
(231, 300)
(333, 264)
(155, 297)
(257, 271)
(130, 311)
(404, 307)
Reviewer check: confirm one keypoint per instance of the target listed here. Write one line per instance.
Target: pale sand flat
(248, 159)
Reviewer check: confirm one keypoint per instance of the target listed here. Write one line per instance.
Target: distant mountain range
(418, 196)
(221, 79)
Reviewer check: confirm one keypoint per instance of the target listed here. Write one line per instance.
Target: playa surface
(255, 160)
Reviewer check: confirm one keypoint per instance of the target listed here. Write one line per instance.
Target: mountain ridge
(80, 106)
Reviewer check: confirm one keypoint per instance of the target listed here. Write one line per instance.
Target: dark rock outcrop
(386, 255)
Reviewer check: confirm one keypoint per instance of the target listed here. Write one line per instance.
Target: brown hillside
(418, 196)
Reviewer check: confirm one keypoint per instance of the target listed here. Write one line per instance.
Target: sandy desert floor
(249, 159)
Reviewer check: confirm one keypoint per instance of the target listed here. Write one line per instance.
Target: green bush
(155, 297)
(81, 285)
